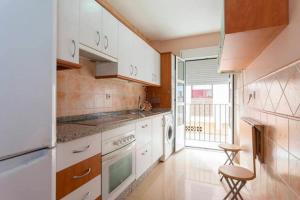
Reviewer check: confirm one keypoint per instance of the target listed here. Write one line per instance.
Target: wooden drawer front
(89, 191)
(73, 152)
(143, 132)
(75, 176)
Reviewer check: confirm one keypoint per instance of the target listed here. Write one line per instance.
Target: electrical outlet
(108, 99)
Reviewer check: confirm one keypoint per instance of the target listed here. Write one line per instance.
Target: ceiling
(169, 19)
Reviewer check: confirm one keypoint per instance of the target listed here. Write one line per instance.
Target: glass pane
(180, 115)
(119, 171)
(180, 70)
(180, 92)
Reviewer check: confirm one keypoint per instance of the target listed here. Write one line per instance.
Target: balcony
(207, 125)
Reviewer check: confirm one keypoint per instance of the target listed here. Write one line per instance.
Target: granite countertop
(71, 128)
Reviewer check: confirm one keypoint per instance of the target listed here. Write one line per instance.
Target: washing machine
(169, 135)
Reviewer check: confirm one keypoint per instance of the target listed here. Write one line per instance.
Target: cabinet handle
(83, 175)
(98, 34)
(145, 126)
(136, 70)
(88, 194)
(106, 45)
(84, 149)
(131, 70)
(74, 48)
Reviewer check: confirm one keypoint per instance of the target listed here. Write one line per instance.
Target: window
(202, 91)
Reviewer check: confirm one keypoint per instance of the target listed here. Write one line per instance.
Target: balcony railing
(208, 122)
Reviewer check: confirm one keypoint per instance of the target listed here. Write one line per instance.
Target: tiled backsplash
(78, 92)
(276, 103)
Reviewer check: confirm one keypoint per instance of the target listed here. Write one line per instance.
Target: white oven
(118, 165)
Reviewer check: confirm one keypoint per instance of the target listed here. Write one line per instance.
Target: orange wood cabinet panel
(160, 97)
(62, 65)
(250, 26)
(73, 177)
(247, 15)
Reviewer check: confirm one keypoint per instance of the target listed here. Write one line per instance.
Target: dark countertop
(71, 128)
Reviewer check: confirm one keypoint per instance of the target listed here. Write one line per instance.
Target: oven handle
(119, 152)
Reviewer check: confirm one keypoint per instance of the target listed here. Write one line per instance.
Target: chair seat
(230, 147)
(236, 172)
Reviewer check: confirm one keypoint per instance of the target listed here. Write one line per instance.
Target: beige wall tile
(281, 132)
(294, 173)
(292, 91)
(283, 163)
(294, 137)
(78, 92)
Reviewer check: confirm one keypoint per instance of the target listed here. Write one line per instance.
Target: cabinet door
(125, 52)
(109, 34)
(143, 159)
(157, 138)
(148, 68)
(156, 66)
(68, 30)
(140, 59)
(143, 132)
(90, 24)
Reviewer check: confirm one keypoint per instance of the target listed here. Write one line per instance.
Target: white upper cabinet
(68, 30)
(139, 59)
(109, 34)
(156, 67)
(136, 59)
(104, 38)
(90, 24)
(125, 55)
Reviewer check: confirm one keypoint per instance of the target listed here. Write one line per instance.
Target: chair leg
(235, 188)
(228, 157)
(238, 190)
(232, 187)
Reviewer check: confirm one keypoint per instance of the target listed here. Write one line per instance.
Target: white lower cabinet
(143, 132)
(149, 142)
(157, 137)
(143, 159)
(89, 191)
(75, 151)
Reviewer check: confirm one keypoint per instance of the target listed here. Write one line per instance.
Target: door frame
(231, 95)
(177, 58)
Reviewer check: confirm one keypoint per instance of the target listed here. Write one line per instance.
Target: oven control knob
(118, 142)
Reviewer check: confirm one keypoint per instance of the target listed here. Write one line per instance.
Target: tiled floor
(188, 175)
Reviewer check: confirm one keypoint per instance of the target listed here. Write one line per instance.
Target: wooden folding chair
(231, 151)
(237, 176)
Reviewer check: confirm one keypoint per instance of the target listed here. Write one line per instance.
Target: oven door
(118, 171)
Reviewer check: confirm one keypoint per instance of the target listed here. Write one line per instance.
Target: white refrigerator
(27, 99)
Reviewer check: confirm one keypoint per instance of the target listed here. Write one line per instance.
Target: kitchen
(94, 98)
